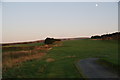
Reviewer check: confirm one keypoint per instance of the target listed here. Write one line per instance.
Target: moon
(96, 4)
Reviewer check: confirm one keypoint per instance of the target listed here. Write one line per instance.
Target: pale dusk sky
(27, 21)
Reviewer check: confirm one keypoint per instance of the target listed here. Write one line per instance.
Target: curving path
(90, 69)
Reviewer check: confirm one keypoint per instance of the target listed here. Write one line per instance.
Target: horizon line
(40, 40)
(59, 38)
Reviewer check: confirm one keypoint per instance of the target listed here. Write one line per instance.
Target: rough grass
(23, 45)
(18, 47)
(12, 58)
(62, 59)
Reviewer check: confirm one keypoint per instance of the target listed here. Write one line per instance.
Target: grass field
(17, 47)
(22, 45)
(59, 62)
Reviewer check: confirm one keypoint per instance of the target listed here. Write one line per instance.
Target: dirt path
(90, 69)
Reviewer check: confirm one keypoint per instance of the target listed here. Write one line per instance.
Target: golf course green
(59, 62)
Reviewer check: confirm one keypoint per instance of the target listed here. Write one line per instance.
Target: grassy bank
(59, 61)
(16, 54)
(18, 47)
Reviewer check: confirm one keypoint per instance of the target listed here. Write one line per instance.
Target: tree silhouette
(50, 40)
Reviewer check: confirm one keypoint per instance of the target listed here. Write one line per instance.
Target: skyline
(24, 21)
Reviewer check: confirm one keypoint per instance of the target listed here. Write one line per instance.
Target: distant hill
(38, 41)
(75, 38)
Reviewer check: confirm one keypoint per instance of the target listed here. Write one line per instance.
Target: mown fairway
(59, 62)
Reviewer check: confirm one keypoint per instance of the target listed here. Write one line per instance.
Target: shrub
(50, 40)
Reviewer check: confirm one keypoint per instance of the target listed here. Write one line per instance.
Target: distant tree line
(50, 40)
(112, 36)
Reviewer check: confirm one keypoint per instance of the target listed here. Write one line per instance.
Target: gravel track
(91, 69)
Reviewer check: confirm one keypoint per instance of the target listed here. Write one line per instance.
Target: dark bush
(95, 37)
(50, 40)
